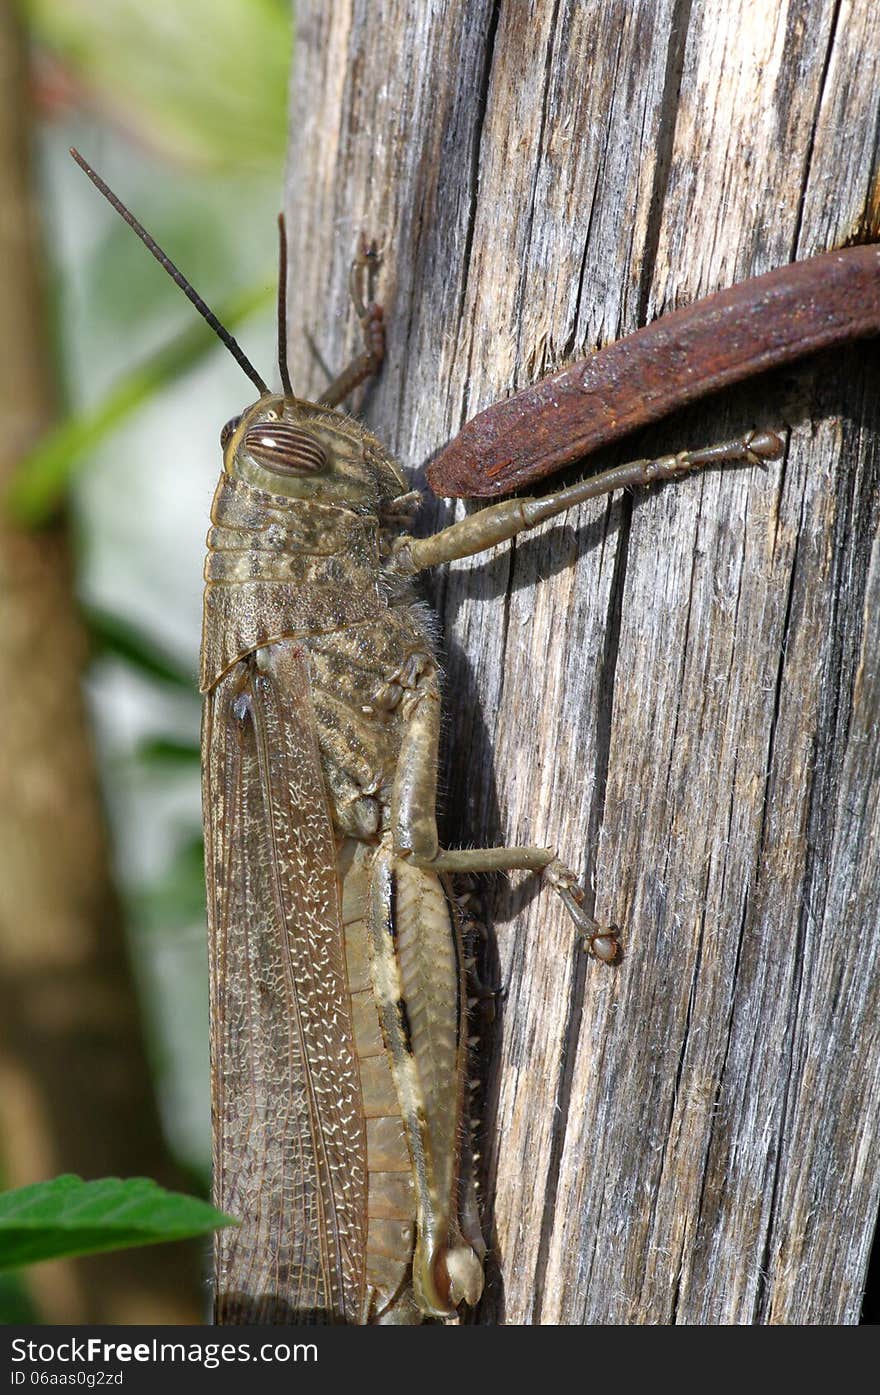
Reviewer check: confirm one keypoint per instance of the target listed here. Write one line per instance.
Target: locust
(338, 985)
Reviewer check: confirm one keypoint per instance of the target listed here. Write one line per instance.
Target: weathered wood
(680, 690)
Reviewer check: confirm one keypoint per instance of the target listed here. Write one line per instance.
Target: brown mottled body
(336, 968)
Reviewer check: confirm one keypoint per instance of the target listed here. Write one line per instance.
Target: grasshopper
(338, 990)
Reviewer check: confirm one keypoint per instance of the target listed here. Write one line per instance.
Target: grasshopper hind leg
(417, 963)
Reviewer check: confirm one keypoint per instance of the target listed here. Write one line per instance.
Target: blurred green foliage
(180, 893)
(41, 481)
(182, 108)
(16, 1304)
(205, 81)
(113, 637)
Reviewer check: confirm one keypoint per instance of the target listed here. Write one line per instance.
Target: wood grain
(679, 690)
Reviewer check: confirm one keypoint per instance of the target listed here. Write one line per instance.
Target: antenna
(282, 307)
(177, 276)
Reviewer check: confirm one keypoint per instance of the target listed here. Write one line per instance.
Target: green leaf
(68, 1216)
(40, 481)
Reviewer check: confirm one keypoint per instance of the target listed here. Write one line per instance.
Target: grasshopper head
(284, 446)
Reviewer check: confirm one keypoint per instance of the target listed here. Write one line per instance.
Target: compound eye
(284, 449)
(227, 431)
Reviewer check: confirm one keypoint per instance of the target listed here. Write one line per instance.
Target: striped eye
(284, 449)
(227, 431)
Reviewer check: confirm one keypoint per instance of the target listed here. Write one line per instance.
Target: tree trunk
(75, 1090)
(679, 690)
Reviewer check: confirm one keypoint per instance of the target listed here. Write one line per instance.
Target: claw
(605, 945)
(602, 941)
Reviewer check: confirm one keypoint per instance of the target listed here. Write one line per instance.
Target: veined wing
(289, 1148)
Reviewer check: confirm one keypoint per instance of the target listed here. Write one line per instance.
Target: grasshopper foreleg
(500, 522)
